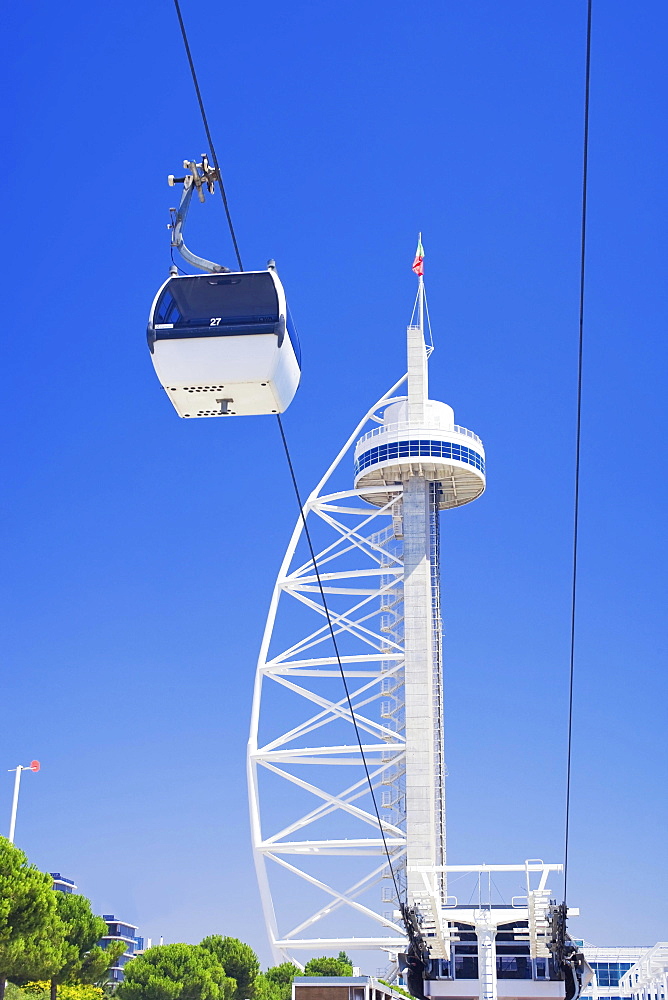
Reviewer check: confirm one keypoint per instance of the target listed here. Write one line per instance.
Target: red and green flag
(418, 265)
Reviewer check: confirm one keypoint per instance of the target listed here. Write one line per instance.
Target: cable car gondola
(222, 343)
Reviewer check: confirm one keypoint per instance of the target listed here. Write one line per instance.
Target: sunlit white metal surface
(378, 556)
(648, 978)
(218, 370)
(305, 743)
(318, 844)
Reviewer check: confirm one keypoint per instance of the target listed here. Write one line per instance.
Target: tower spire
(418, 377)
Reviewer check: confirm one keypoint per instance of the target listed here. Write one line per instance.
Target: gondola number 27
(215, 321)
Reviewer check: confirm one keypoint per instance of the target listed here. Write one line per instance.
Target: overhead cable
(578, 436)
(205, 122)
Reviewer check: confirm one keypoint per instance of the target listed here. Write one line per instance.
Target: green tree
(97, 962)
(264, 989)
(83, 960)
(31, 932)
(80, 958)
(38, 955)
(14, 992)
(239, 961)
(176, 972)
(329, 966)
(276, 982)
(283, 973)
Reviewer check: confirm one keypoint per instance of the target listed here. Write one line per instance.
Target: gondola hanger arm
(200, 176)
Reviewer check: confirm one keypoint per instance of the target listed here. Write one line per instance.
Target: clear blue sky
(139, 551)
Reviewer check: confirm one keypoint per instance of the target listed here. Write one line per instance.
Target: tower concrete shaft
(425, 767)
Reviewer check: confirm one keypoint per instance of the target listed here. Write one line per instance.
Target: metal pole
(15, 803)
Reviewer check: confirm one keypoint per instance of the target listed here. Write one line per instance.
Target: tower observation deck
(321, 853)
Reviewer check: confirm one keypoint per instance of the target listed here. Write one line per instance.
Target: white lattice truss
(648, 978)
(361, 570)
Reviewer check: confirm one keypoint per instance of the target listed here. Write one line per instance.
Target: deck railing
(403, 426)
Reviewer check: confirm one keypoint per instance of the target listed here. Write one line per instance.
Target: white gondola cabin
(223, 344)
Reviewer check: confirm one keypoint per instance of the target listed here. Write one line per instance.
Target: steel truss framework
(648, 978)
(359, 556)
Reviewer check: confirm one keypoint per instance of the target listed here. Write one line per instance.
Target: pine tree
(31, 932)
(176, 972)
(276, 982)
(83, 960)
(326, 966)
(239, 961)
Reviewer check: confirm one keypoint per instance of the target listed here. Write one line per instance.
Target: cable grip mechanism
(200, 176)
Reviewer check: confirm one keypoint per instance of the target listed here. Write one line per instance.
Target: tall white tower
(438, 465)
(377, 551)
(321, 850)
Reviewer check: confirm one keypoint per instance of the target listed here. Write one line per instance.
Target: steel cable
(578, 438)
(208, 133)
